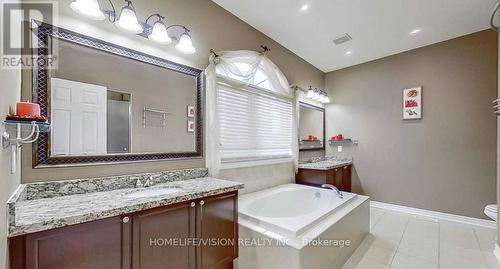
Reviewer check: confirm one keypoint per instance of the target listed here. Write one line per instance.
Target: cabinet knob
(125, 219)
(202, 202)
(193, 204)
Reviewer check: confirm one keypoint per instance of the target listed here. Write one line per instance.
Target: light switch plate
(339, 148)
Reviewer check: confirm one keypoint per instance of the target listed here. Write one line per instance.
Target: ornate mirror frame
(41, 150)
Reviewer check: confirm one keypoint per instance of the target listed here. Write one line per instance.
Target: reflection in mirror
(119, 122)
(311, 127)
(102, 103)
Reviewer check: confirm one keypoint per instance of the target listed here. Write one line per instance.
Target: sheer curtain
(243, 68)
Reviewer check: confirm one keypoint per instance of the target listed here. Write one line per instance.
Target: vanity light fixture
(317, 95)
(88, 8)
(310, 93)
(127, 20)
(185, 45)
(159, 31)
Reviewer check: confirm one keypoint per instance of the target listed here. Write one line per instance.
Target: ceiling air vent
(342, 39)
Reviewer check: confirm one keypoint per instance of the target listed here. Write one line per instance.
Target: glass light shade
(321, 98)
(128, 21)
(327, 99)
(159, 33)
(310, 93)
(316, 96)
(185, 45)
(88, 8)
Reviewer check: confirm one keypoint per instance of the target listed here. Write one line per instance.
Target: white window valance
(252, 68)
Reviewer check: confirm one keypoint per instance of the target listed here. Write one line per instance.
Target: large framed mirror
(108, 103)
(311, 127)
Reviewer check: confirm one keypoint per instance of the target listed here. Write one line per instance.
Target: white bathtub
(289, 219)
(290, 209)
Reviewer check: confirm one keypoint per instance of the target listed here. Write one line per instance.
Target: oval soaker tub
(290, 209)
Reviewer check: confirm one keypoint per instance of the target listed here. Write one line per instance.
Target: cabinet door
(346, 178)
(339, 178)
(100, 244)
(161, 237)
(218, 220)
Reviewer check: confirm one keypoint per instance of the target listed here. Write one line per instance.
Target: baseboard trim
(437, 215)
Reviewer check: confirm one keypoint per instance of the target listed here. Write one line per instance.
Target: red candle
(27, 109)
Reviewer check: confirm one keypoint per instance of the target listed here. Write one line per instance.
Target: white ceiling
(379, 28)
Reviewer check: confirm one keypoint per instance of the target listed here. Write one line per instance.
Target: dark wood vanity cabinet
(340, 177)
(164, 237)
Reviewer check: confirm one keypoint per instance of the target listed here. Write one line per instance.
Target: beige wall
(444, 162)
(9, 95)
(212, 27)
(10, 92)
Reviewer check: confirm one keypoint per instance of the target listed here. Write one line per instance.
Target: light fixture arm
(492, 19)
(110, 13)
(160, 17)
(181, 26)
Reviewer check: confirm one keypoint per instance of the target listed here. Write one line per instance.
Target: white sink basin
(152, 192)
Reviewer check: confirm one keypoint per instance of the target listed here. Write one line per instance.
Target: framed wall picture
(412, 103)
(191, 111)
(190, 126)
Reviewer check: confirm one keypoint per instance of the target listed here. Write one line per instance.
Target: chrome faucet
(138, 183)
(330, 186)
(148, 183)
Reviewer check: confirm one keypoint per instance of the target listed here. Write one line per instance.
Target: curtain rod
(264, 49)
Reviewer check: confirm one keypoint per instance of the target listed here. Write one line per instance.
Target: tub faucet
(330, 186)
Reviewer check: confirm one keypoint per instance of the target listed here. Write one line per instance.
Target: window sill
(242, 164)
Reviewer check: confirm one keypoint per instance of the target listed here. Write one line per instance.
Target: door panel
(79, 117)
(152, 230)
(61, 132)
(218, 220)
(98, 245)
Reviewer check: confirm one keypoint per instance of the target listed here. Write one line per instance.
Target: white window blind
(253, 125)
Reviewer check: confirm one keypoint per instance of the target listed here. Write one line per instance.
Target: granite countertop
(325, 163)
(39, 213)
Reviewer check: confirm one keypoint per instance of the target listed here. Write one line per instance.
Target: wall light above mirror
(127, 21)
(318, 95)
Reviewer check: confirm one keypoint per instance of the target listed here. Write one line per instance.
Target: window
(254, 125)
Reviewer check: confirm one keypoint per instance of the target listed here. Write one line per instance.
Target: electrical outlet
(339, 148)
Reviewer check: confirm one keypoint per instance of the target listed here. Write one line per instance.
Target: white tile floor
(403, 241)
